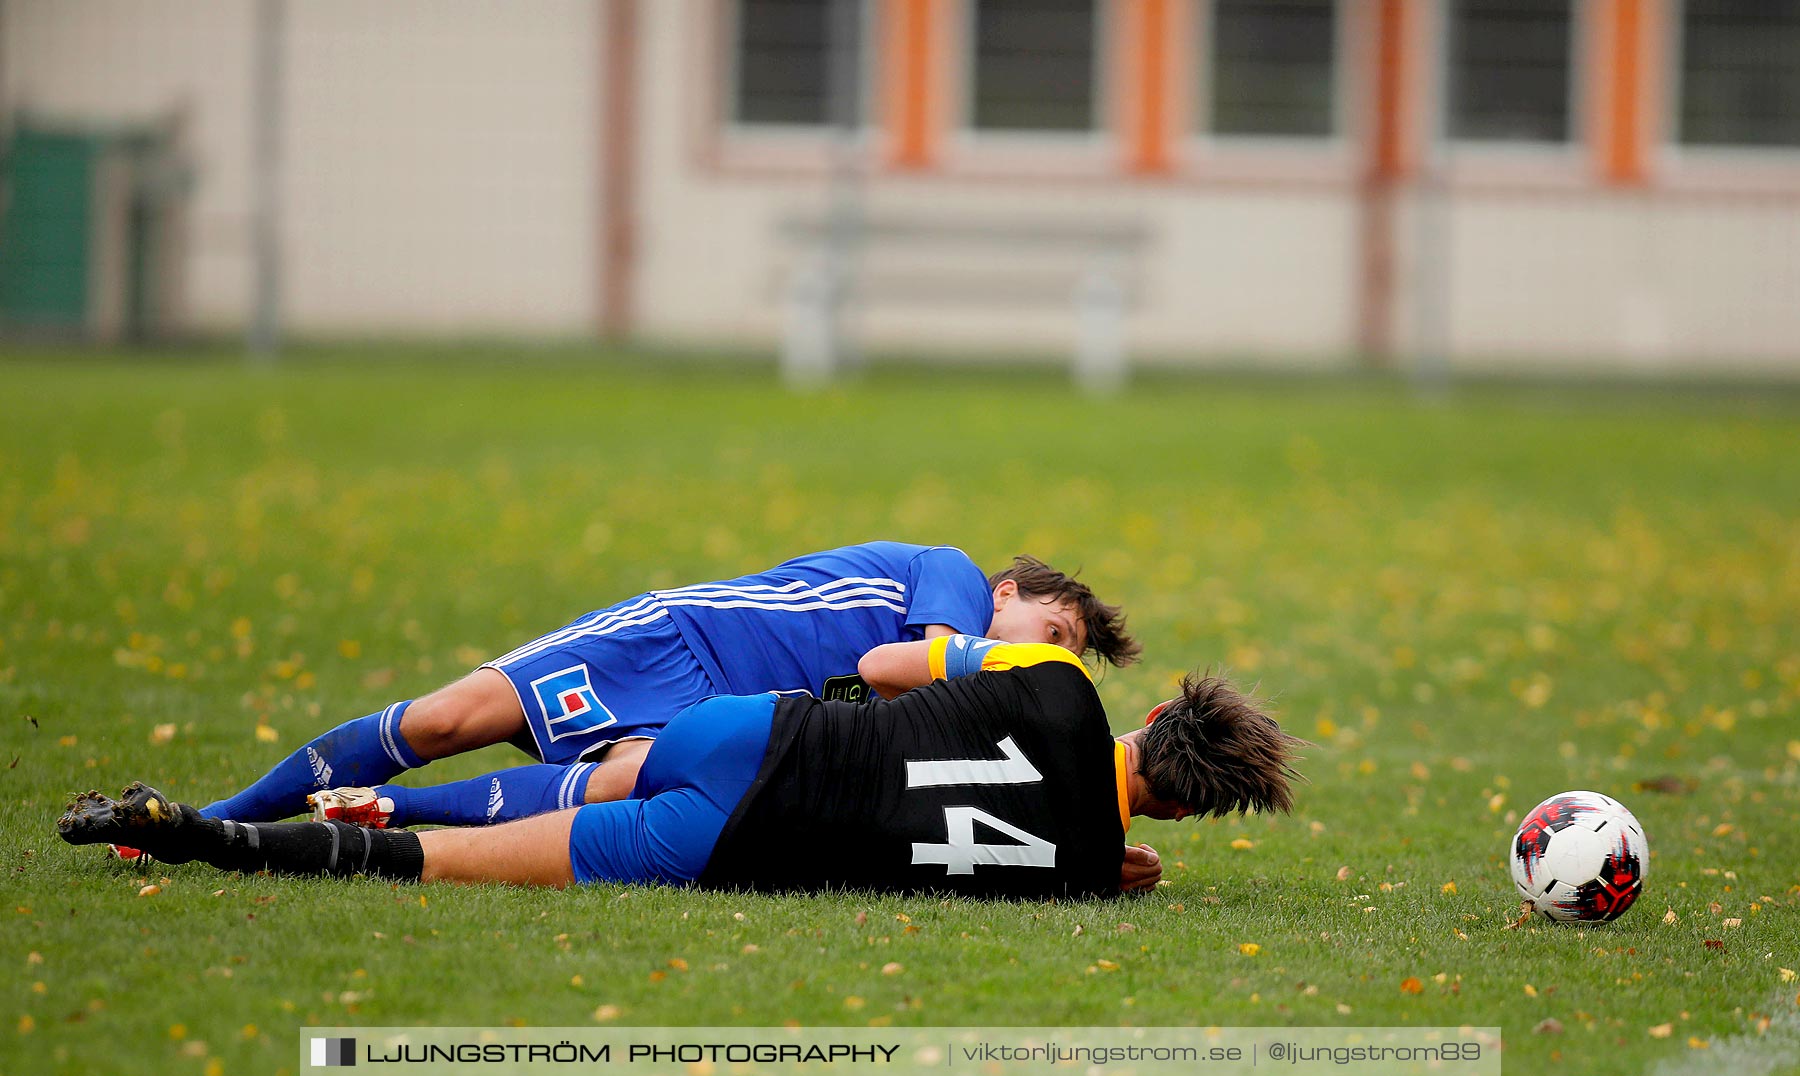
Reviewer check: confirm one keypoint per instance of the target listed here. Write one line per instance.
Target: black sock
(330, 848)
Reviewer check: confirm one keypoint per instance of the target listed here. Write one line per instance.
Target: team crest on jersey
(569, 704)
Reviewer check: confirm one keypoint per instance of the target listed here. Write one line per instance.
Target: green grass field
(1468, 607)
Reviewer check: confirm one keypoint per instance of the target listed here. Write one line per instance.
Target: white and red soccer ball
(1580, 857)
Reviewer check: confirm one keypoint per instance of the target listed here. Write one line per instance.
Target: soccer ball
(1580, 858)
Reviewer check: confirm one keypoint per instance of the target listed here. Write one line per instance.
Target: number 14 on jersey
(961, 853)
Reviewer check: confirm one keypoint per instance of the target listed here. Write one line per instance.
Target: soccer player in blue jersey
(587, 700)
(1000, 777)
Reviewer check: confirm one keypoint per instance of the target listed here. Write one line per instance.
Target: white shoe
(357, 806)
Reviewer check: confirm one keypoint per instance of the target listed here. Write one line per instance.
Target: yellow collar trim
(1119, 772)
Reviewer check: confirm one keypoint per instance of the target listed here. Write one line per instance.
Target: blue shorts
(614, 674)
(692, 779)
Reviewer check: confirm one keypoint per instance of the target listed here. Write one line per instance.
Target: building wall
(439, 159)
(105, 61)
(1612, 250)
(1230, 268)
(442, 176)
(1638, 284)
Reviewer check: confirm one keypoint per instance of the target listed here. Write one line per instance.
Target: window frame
(1578, 97)
(868, 123)
(1103, 96)
(1674, 69)
(1197, 87)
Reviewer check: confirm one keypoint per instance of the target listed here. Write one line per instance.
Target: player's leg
(491, 799)
(177, 833)
(617, 842)
(700, 769)
(531, 851)
(606, 683)
(480, 709)
(504, 796)
(617, 774)
(691, 780)
(477, 711)
(486, 707)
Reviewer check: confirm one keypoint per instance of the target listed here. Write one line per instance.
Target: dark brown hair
(1106, 634)
(1214, 752)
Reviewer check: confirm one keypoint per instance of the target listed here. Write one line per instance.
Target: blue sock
(361, 752)
(496, 797)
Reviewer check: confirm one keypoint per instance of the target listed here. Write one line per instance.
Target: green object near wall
(46, 230)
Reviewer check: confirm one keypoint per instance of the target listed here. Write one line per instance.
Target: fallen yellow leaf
(1249, 948)
(1662, 1031)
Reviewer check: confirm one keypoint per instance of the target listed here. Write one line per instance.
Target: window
(1034, 65)
(1740, 73)
(784, 66)
(1273, 67)
(1508, 71)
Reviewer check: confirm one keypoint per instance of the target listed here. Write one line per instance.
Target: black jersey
(996, 784)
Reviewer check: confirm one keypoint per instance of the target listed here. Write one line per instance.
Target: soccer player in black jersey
(999, 778)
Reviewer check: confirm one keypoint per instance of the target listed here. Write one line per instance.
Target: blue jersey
(801, 625)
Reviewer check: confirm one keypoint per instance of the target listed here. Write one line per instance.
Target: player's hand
(1141, 870)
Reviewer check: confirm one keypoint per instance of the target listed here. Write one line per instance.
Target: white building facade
(1489, 184)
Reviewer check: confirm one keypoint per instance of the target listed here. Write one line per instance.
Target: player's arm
(896, 668)
(893, 669)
